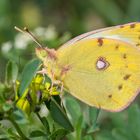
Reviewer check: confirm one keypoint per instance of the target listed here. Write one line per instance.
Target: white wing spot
(101, 64)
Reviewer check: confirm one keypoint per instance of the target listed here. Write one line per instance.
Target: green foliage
(11, 72)
(54, 118)
(122, 126)
(59, 115)
(114, 17)
(28, 74)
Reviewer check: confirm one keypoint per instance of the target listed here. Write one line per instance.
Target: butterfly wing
(104, 73)
(129, 33)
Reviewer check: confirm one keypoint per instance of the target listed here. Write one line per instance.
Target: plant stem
(17, 128)
(42, 121)
(38, 115)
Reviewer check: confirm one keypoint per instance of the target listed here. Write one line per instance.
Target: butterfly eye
(102, 64)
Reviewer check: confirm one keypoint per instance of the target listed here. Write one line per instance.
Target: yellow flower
(24, 105)
(36, 93)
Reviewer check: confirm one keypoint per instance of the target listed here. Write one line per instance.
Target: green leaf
(59, 115)
(93, 129)
(19, 116)
(93, 114)
(37, 133)
(105, 135)
(73, 108)
(11, 72)
(118, 119)
(121, 134)
(58, 134)
(27, 75)
(47, 103)
(57, 99)
(79, 128)
(134, 119)
(2, 91)
(88, 138)
(3, 137)
(46, 125)
(7, 107)
(12, 134)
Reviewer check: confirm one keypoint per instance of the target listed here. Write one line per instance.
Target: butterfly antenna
(25, 30)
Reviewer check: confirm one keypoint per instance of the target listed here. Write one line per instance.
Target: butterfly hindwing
(104, 73)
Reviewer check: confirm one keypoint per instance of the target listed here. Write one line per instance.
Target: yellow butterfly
(101, 68)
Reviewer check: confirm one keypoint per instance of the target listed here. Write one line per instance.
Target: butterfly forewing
(129, 33)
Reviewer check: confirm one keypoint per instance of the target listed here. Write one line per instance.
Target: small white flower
(50, 33)
(22, 41)
(44, 111)
(6, 47)
(40, 31)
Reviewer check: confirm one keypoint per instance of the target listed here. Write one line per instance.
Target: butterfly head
(41, 53)
(46, 53)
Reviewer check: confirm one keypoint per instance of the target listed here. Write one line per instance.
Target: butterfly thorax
(49, 58)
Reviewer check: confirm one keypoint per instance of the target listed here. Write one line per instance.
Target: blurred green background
(55, 22)
(73, 16)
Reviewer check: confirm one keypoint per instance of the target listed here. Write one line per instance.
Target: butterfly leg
(59, 83)
(62, 86)
(43, 71)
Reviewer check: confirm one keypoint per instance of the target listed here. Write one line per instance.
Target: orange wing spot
(120, 87)
(132, 25)
(124, 56)
(110, 96)
(114, 100)
(126, 66)
(138, 44)
(100, 41)
(121, 26)
(65, 69)
(126, 77)
(117, 47)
